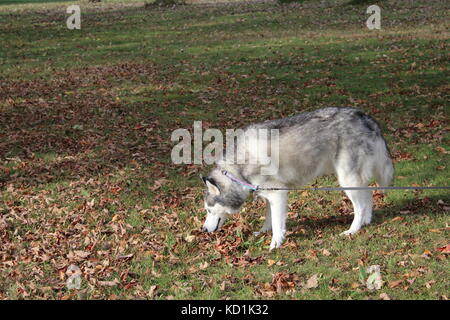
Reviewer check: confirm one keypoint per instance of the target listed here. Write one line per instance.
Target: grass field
(85, 172)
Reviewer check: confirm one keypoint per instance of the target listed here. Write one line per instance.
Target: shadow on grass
(95, 132)
(10, 2)
(364, 2)
(86, 129)
(418, 205)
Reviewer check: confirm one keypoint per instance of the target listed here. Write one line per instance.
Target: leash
(245, 184)
(257, 188)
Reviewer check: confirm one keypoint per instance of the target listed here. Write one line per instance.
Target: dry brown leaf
(313, 282)
(384, 296)
(152, 291)
(113, 283)
(204, 265)
(394, 284)
(270, 262)
(445, 249)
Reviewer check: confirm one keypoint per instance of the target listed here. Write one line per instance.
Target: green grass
(18, 2)
(85, 123)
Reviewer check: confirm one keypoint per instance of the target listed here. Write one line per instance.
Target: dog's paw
(276, 243)
(348, 232)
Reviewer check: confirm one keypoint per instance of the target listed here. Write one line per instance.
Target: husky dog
(339, 140)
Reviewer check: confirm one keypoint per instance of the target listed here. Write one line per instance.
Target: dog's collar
(243, 183)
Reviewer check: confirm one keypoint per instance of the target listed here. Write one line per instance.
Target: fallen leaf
(441, 150)
(430, 283)
(445, 249)
(270, 262)
(113, 283)
(312, 282)
(158, 184)
(189, 238)
(394, 284)
(152, 291)
(384, 296)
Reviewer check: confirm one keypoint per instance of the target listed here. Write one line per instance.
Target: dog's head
(221, 200)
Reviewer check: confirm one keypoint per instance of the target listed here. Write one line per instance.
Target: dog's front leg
(278, 209)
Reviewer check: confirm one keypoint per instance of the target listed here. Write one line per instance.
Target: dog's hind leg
(361, 200)
(278, 213)
(367, 214)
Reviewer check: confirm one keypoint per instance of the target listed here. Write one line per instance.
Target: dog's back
(328, 140)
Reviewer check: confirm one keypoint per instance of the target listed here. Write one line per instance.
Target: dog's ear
(211, 185)
(212, 188)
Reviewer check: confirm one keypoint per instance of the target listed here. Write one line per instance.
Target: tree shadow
(73, 126)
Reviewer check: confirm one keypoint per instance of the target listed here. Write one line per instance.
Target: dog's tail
(384, 169)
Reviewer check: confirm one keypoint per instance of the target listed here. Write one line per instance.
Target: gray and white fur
(340, 140)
